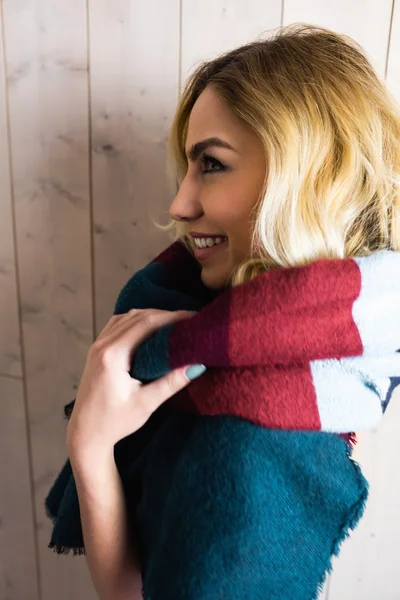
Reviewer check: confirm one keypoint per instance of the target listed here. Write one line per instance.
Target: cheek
(231, 213)
(237, 222)
(239, 232)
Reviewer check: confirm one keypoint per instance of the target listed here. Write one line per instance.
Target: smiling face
(221, 185)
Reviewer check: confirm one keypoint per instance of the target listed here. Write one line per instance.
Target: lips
(206, 235)
(208, 252)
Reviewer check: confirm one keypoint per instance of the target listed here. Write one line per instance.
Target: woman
(287, 150)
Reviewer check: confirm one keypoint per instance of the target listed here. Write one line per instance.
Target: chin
(213, 282)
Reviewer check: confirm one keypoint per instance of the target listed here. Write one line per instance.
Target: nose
(185, 206)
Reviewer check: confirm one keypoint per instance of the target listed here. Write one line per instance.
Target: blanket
(242, 484)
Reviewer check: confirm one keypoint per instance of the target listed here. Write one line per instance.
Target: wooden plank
(18, 552)
(212, 27)
(366, 22)
(10, 348)
(47, 79)
(18, 556)
(134, 48)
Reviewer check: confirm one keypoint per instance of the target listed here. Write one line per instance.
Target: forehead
(211, 117)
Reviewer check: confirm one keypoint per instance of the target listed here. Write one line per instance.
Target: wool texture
(242, 484)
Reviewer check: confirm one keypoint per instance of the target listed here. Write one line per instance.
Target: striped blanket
(242, 484)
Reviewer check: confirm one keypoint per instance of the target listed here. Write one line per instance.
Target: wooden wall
(88, 89)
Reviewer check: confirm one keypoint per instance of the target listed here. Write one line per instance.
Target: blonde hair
(331, 133)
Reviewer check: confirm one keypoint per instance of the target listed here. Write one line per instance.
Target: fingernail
(195, 371)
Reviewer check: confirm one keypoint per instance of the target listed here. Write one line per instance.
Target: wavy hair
(331, 133)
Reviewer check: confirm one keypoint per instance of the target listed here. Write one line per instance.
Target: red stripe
(275, 398)
(296, 315)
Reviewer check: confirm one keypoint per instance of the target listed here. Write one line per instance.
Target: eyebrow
(199, 147)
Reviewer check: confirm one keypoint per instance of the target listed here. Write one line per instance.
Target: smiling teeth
(204, 242)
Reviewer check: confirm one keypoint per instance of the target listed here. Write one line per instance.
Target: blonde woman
(284, 158)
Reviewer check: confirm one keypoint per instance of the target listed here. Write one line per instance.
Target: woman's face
(221, 186)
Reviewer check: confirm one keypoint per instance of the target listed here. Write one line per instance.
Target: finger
(129, 319)
(149, 397)
(146, 321)
(116, 320)
(143, 328)
(109, 325)
(119, 323)
(130, 332)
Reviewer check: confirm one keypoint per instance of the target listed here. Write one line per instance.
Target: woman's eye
(209, 159)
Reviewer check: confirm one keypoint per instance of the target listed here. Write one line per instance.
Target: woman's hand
(110, 404)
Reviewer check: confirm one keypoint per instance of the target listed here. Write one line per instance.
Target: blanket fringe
(354, 515)
(57, 548)
(66, 550)
(353, 441)
(49, 514)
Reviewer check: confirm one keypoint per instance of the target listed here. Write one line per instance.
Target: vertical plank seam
(19, 309)
(90, 169)
(389, 39)
(180, 51)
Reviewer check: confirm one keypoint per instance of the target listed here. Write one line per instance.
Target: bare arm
(113, 564)
(109, 406)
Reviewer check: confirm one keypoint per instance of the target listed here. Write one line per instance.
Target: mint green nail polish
(195, 371)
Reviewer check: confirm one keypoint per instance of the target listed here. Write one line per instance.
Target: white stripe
(376, 312)
(351, 391)
(348, 399)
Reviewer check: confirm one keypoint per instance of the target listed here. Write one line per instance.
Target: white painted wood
(134, 49)
(47, 85)
(393, 62)
(66, 129)
(210, 28)
(10, 348)
(366, 21)
(18, 566)
(367, 567)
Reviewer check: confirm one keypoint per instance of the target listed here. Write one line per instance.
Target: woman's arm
(113, 564)
(109, 406)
